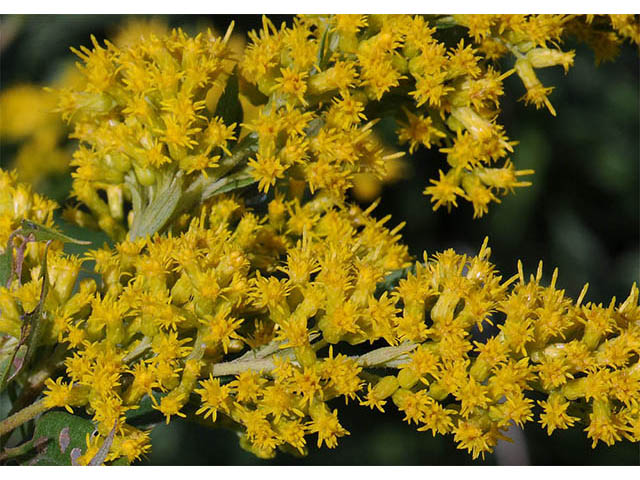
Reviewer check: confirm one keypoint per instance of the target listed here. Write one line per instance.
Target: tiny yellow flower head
(58, 394)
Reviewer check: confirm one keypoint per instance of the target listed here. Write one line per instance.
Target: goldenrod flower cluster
(311, 95)
(179, 307)
(253, 314)
(19, 203)
(173, 314)
(28, 117)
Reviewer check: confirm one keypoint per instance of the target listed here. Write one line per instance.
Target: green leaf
(156, 214)
(229, 107)
(63, 433)
(446, 22)
(5, 368)
(135, 189)
(42, 233)
(229, 183)
(322, 48)
(6, 259)
(16, 360)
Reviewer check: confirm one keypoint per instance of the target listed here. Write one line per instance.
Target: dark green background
(581, 215)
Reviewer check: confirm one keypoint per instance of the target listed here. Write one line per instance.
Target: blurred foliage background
(582, 214)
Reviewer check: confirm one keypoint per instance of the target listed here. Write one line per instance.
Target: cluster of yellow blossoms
(255, 312)
(174, 315)
(28, 118)
(303, 103)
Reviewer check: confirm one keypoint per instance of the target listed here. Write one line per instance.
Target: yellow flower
(58, 394)
(325, 423)
(266, 169)
(419, 130)
(247, 386)
(171, 404)
(221, 328)
(444, 191)
(555, 413)
(473, 438)
(214, 397)
(292, 83)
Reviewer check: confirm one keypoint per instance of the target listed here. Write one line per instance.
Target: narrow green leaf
(42, 233)
(9, 356)
(229, 107)
(322, 48)
(155, 215)
(228, 184)
(6, 259)
(134, 188)
(5, 368)
(6, 262)
(63, 433)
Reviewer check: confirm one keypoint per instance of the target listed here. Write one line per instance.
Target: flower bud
(306, 355)
(385, 387)
(444, 308)
(548, 57)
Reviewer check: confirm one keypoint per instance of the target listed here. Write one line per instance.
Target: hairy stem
(23, 416)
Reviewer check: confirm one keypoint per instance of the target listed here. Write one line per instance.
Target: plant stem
(23, 416)
(381, 357)
(384, 355)
(138, 351)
